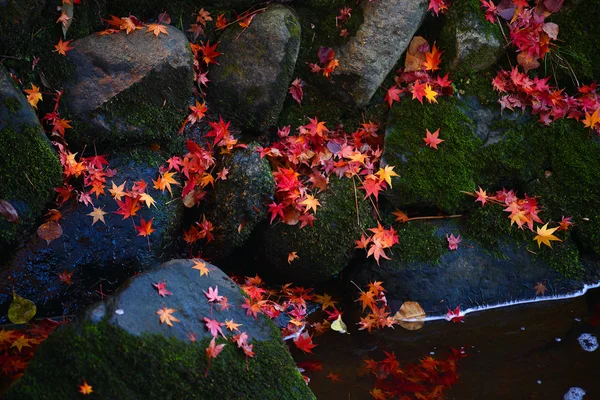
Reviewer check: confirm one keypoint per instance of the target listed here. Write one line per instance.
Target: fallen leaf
(8, 212)
(166, 317)
(292, 256)
(85, 388)
(98, 215)
(410, 310)
(432, 139)
(50, 231)
(339, 326)
(65, 277)
(21, 310)
(540, 288)
(161, 287)
(545, 236)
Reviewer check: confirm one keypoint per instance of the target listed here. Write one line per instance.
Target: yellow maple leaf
(430, 94)
(145, 197)
(21, 342)
(85, 388)
(164, 182)
(201, 266)
(98, 215)
(545, 235)
(591, 120)
(311, 203)
(33, 95)
(118, 191)
(232, 325)
(166, 317)
(325, 301)
(386, 174)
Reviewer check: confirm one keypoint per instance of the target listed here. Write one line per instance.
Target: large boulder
(369, 56)
(29, 167)
(124, 352)
(125, 88)
(324, 249)
(98, 254)
(251, 81)
(237, 204)
(471, 276)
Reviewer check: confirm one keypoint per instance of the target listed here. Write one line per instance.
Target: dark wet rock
(370, 55)
(29, 167)
(96, 254)
(323, 250)
(251, 81)
(471, 276)
(135, 356)
(128, 88)
(16, 21)
(472, 43)
(237, 204)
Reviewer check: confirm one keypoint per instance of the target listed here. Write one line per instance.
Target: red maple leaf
(304, 342)
(392, 94)
(214, 326)
(162, 289)
(145, 228)
(296, 90)
(210, 53)
(432, 139)
(418, 91)
(213, 295)
(128, 208)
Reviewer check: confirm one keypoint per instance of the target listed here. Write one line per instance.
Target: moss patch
(427, 176)
(119, 365)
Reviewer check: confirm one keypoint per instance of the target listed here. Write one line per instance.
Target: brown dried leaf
(415, 56)
(410, 310)
(50, 231)
(8, 212)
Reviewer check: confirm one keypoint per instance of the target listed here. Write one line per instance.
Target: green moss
(29, 171)
(428, 176)
(564, 258)
(12, 104)
(578, 31)
(119, 365)
(418, 243)
(478, 84)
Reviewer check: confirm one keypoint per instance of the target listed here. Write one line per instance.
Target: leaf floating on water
(50, 231)
(21, 310)
(339, 326)
(411, 310)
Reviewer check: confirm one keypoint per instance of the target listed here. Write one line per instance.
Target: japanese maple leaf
(128, 24)
(453, 241)
(386, 174)
(432, 139)
(229, 324)
(65, 277)
(63, 19)
(251, 308)
(157, 29)
(392, 94)
(433, 59)
(377, 251)
(59, 125)
(146, 198)
(590, 121)
(292, 256)
(437, 6)
(545, 236)
(219, 130)
(334, 377)
(372, 187)
(400, 216)
(311, 203)
(33, 95)
(209, 53)
(117, 191)
(315, 127)
(455, 316)
(481, 196)
(85, 388)
(162, 289)
(166, 317)
(198, 112)
(213, 294)
(62, 47)
(214, 326)
(430, 94)
(418, 91)
(128, 208)
(221, 22)
(212, 351)
(325, 301)
(98, 215)
(565, 223)
(540, 288)
(145, 227)
(367, 299)
(164, 182)
(296, 90)
(275, 210)
(241, 339)
(304, 342)
(201, 266)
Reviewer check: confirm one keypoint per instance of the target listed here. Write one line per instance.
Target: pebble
(588, 342)
(574, 393)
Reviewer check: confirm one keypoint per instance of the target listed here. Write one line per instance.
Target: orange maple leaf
(164, 182)
(433, 59)
(166, 317)
(85, 388)
(62, 47)
(432, 139)
(145, 227)
(33, 95)
(157, 29)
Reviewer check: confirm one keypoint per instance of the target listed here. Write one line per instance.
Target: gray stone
(238, 201)
(370, 55)
(470, 276)
(251, 81)
(96, 254)
(128, 87)
(29, 167)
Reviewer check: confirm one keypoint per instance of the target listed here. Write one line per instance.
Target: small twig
(244, 16)
(11, 57)
(435, 217)
(356, 202)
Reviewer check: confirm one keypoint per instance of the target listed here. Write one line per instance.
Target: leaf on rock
(21, 310)
(8, 212)
(166, 317)
(50, 231)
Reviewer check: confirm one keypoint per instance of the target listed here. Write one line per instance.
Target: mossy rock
(251, 81)
(127, 89)
(324, 249)
(131, 355)
(430, 177)
(106, 253)
(469, 42)
(237, 204)
(29, 167)
(578, 31)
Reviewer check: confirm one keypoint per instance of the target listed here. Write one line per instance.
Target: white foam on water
(573, 295)
(574, 393)
(588, 342)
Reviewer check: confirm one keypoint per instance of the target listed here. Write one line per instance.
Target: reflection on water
(532, 351)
